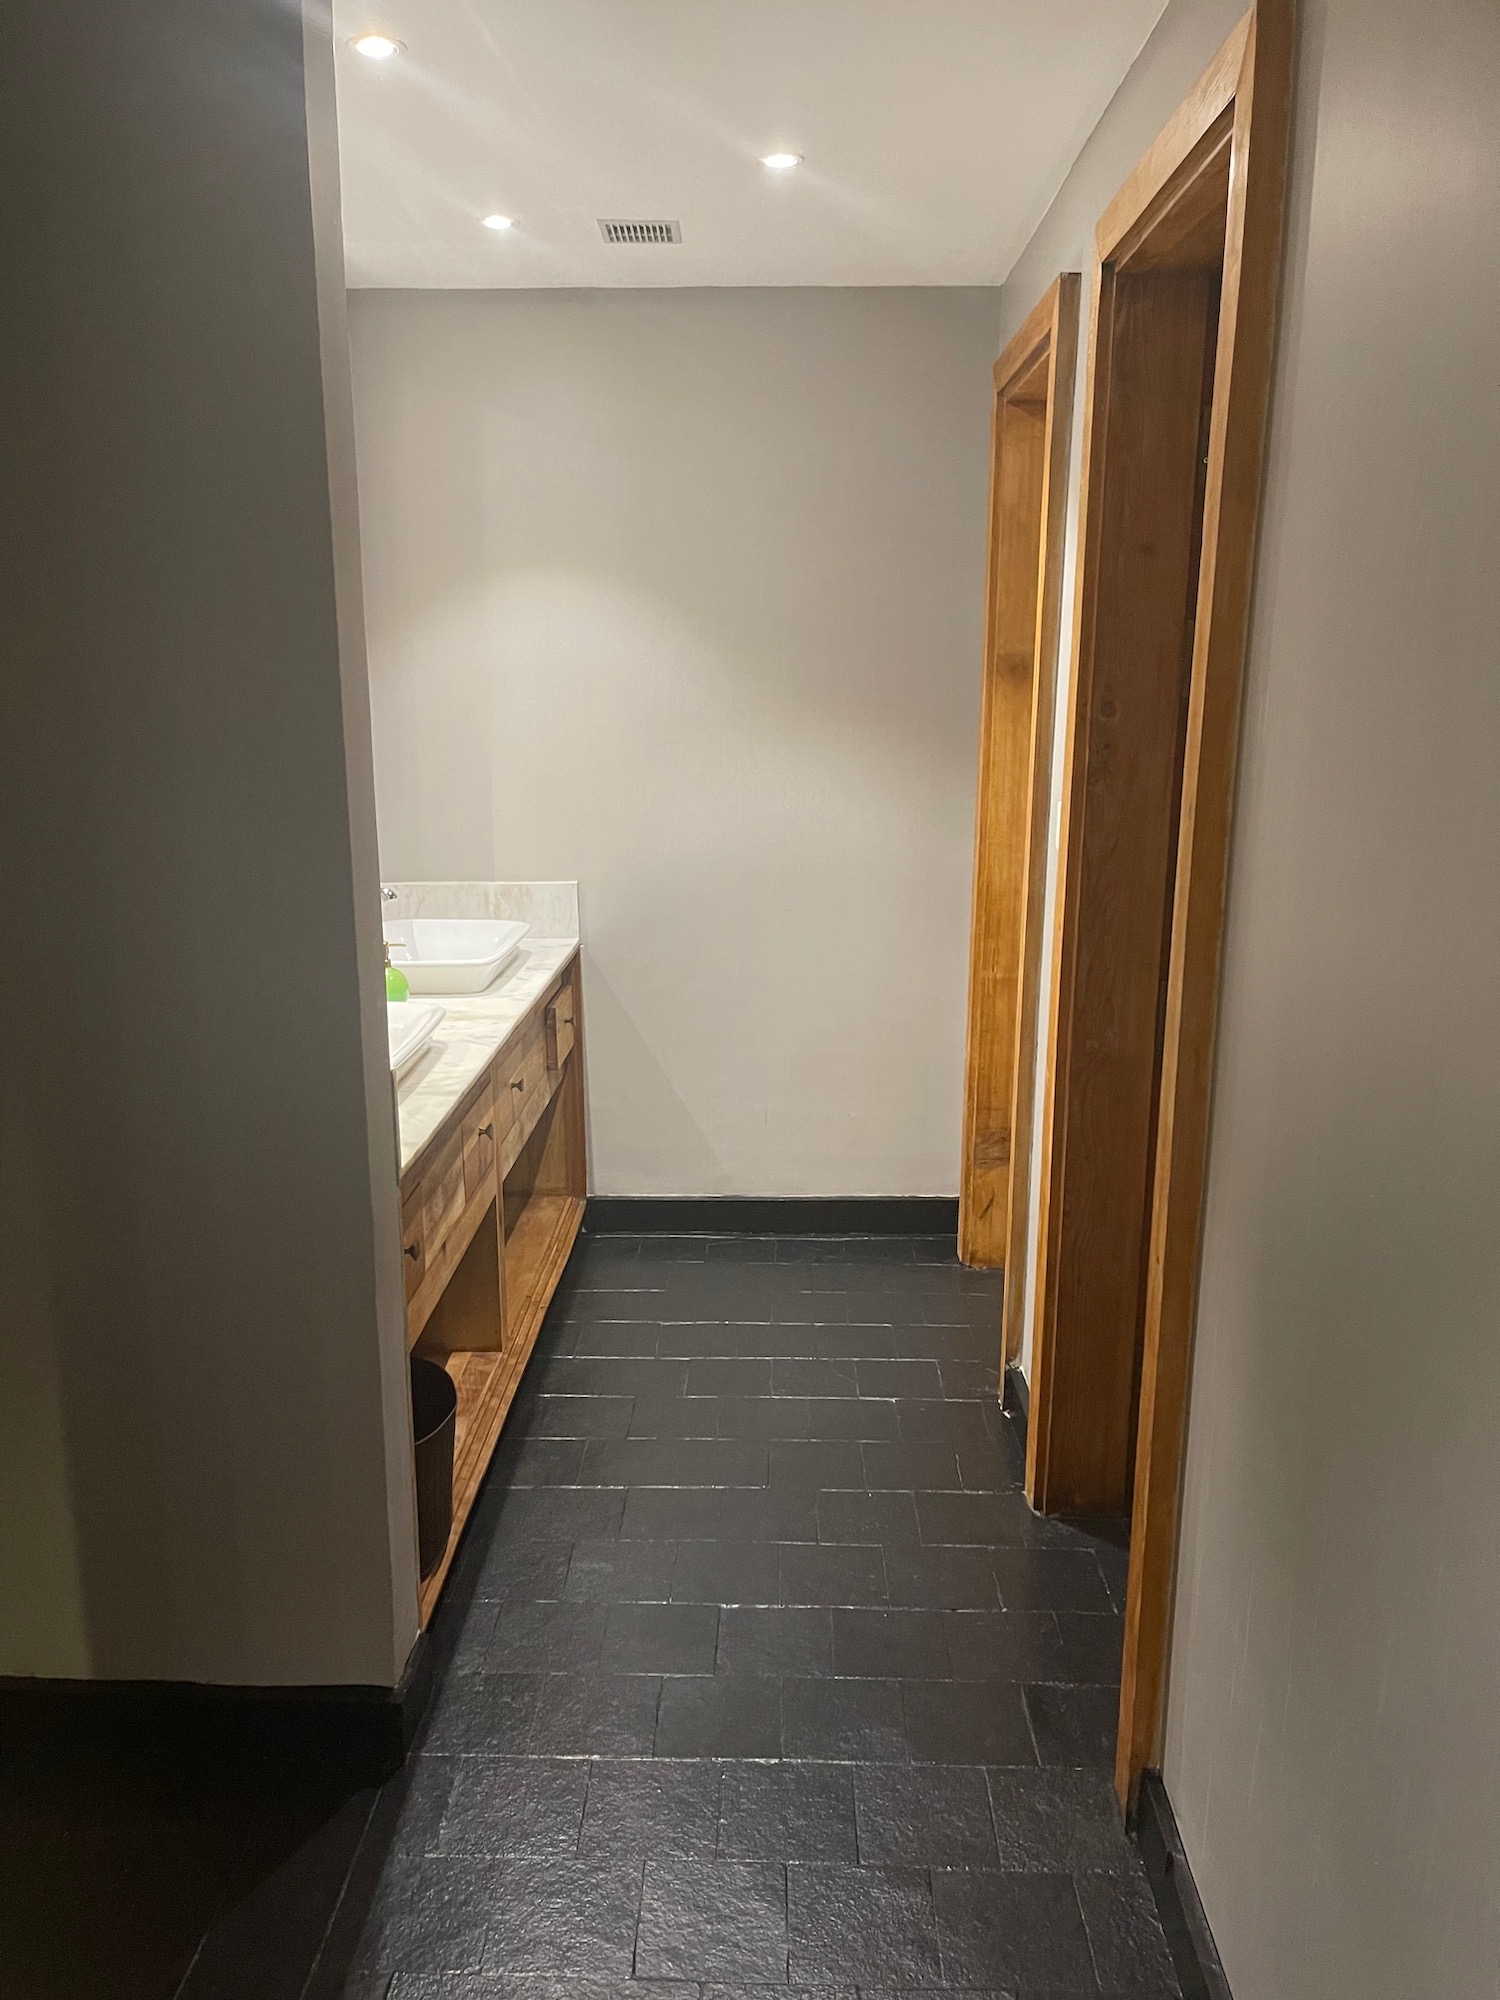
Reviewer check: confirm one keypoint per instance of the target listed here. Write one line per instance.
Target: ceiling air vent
(640, 232)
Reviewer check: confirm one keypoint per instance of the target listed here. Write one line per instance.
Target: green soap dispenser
(397, 985)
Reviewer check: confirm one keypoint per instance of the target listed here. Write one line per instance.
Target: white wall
(204, 1454)
(1333, 1740)
(681, 593)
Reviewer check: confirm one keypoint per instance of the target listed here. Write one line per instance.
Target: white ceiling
(934, 134)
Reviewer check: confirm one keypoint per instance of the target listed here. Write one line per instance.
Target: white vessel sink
(410, 1026)
(452, 954)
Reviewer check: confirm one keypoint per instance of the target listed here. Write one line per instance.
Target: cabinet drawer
(442, 1196)
(522, 1088)
(413, 1259)
(561, 1032)
(479, 1144)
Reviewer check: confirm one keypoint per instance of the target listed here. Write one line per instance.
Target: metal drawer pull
(486, 1131)
(413, 1249)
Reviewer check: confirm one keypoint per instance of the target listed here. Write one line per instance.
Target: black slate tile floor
(761, 1678)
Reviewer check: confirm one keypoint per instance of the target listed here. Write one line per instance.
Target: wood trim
(1031, 422)
(1157, 177)
(1246, 356)
(1061, 383)
(1193, 240)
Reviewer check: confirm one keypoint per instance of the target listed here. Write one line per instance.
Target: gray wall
(1333, 1745)
(1334, 1742)
(681, 593)
(203, 1466)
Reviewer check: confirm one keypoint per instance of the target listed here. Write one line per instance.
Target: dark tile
(651, 1808)
(1010, 1930)
(957, 1424)
(596, 1715)
(610, 1338)
(519, 1573)
(997, 1466)
(899, 1378)
(867, 1517)
(724, 1377)
(1058, 1820)
(847, 1575)
(1049, 1580)
(570, 1917)
(890, 1645)
(970, 1381)
(1124, 1932)
(673, 1462)
(816, 1465)
(779, 1515)
(834, 1419)
(966, 1722)
(621, 1572)
(475, 1713)
(514, 1805)
(728, 1715)
(546, 1638)
(1091, 1646)
(557, 1515)
(979, 1520)
(765, 1417)
(847, 1342)
(436, 1918)
(788, 1812)
(745, 1249)
(713, 1920)
(861, 1924)
(1074, 1726)
(775, 1641)
(814, 1378)
(911, 1468)
(1114, 1567)
(943, 1579)
(523, 1461)
(661, 1638)
(604, 1376)
(579, 1417)
(464, 1649)
(427, 1786)
(844, 1721)
(672, 1513)
(933, 1817)
(727, 1573)
(1004, 1645)
(675, 1417)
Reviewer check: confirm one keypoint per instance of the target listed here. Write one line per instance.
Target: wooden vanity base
(490, 1210)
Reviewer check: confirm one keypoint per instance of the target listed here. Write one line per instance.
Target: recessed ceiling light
(379, 48)
(498, 222)
(781, 163)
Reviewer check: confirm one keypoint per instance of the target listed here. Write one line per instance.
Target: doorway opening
(1033, 412)
(1187, 257)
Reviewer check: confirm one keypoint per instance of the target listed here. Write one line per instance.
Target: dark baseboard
(1194, 1953)
(361, 1733)
(1015, 1400)
(771, 1215)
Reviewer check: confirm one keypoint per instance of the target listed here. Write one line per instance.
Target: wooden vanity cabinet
(490, 1209)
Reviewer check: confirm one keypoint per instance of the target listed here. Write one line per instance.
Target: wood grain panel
(1032, 411)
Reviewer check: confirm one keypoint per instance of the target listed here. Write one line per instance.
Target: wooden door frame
(993, 1232)
(1237, 117)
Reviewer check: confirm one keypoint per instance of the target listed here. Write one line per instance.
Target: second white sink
(452, 954)
(410, 1026)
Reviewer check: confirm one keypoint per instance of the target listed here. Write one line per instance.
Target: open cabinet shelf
(522, 1155)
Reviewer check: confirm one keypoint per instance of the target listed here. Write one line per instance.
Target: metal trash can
(434, 1416)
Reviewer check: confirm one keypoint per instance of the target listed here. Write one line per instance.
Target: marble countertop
(475, 1028)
